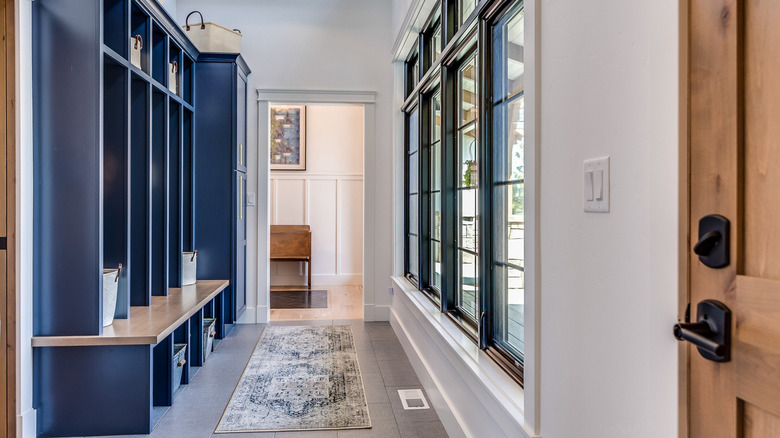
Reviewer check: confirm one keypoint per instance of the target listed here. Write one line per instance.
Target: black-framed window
(508, 186)
(412, 196)
(467, 188)
(435, 262)
(465, 8)
(412, 72)
(432, 41)
(465, 180)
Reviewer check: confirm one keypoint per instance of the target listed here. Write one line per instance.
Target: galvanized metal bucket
(179, 359)
(189, 267)
(208, 336)
(110, 286)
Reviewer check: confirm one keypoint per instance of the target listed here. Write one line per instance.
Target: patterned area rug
(299, 378)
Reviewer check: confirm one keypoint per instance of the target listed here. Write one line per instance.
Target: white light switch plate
(596, 185)
(250, 199)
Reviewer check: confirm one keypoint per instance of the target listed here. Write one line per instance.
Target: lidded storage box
(210, 37)
(179, 354)
(208, 336)
(110, 286)
(189, 267)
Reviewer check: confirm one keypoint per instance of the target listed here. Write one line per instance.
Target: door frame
(367, 99)
(684, 207)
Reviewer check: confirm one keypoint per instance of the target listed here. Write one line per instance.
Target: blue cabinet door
(240, 279)
(241, 98)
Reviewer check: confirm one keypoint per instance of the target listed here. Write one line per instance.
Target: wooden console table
(291, 243)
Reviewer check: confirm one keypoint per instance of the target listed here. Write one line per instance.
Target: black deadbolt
(713, 245)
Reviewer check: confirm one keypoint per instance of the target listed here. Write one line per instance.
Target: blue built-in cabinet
(129, 169)
(220, 166)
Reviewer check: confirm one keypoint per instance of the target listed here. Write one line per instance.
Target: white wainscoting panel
(323, 204)
(292, 211)
(350, 251)
(332, 204)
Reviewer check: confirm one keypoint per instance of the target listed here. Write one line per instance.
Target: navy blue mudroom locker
(220, 170)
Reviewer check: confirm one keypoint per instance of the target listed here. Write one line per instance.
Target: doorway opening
(316, 156)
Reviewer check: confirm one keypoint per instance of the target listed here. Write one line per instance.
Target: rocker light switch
(598, 184)
(596, 173)
(588, 186)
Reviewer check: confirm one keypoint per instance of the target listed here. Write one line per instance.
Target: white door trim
(265, 97)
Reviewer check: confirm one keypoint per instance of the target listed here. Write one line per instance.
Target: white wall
(609, 281)
(400, 10)
(171, 6)
(328, 196)
(609, 86)
(315, 45)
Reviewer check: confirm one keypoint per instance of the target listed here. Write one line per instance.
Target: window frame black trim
(474, 36)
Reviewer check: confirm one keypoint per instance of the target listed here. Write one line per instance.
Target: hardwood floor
(344, 302)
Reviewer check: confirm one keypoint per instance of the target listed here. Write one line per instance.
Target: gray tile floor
(383, 363)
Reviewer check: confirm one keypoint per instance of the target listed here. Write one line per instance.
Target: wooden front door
(7, 223)
(734, 127)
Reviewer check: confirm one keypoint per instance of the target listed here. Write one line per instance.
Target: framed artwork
(288, 137)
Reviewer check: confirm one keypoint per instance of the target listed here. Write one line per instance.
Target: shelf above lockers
(187, 78)
(159, 49)
(114, 19)
(140, 25)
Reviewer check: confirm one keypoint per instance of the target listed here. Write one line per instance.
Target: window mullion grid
(424, 190)
(496, 347)
(471, 315)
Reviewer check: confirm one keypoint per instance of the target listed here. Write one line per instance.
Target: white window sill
(507, 394)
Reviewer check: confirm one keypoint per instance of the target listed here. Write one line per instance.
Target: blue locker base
(88, 391)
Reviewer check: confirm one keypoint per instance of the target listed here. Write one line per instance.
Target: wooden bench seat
(291, 243)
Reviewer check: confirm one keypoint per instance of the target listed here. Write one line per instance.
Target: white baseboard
(262, 315)
(447, 417)
(255, 315)
(26, 424)
(486, 401)
(372, 312)
(382, 313)
(317, 280)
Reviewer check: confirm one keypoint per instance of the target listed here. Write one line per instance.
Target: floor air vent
(413, 399)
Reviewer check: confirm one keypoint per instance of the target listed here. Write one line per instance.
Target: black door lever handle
(707, 242)
(697, 333)
(711, 333)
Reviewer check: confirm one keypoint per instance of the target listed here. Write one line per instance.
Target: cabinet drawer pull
(181, 364)
(212, 334)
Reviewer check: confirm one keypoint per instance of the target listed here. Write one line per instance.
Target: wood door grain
(8, 409)
(734, 144)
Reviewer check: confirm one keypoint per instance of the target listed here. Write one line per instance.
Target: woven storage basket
(210, 37)
(208, 336)
(110, 287)
(189, 268)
